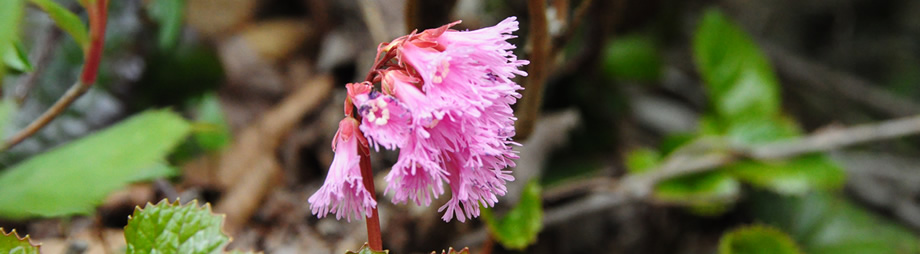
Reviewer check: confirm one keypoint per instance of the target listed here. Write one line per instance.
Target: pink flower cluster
(445, 103)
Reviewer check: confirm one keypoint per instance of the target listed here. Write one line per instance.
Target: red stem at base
(374, 238)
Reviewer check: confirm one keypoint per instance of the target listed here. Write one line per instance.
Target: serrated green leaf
(366, 249)
(641, 160)
(518, 228)
(701, 189)
(16, 57)
(75, 177)
(169, 14)
(66, 20)
(632, 57)
(217, 134)
(791, 177)
(757, 239)
(173, 228)
(11, 243)
(10, 14)
(453, 251)
(739, 79)
(827, 224)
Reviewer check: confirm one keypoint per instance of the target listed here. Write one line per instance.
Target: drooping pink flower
(343, 193)
(456, 89)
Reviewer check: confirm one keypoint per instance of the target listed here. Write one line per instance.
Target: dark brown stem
(373, 221)
(536, 71)
(98, 14)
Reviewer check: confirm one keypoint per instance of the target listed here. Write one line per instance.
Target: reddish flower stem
(374, 238)
(97, 11)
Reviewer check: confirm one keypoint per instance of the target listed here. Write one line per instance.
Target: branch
(638, 187)
(532, 97)
(98, 13)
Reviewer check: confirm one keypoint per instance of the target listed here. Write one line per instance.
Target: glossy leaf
(518, 228)
(13, 244)
(826, 224)
(757, 239)
(739, 79)
(366, 249)
(66, 20)
(173, 228)
(75, 177)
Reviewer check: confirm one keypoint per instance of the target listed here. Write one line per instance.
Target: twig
(532, 98)
(569, 32)
(638, 187)
(848, 86)
(43, 55)
(98, 14)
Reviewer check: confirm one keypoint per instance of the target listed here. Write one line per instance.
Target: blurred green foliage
(634, 58)
(65, 20)
(824, 224)
(215, 132)
(518, 228)
(75, 177)
(169, 14)
(16, 57)
(757, 239)
(10, 15)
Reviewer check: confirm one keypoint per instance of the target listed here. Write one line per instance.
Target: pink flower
(343, 193)
(456, 90)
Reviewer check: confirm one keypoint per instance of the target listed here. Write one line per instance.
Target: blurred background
(647, 126)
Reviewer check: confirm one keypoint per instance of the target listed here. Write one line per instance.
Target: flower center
(384, 113)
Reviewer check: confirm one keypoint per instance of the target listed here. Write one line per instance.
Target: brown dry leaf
(248, 169)
(275, 40)
(215, 18)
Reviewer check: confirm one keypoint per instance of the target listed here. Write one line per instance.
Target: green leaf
(756, 131)
(366, 249)
(757, 239)
(17, 58)
(519, 227)
(215, 134)
(173, 228)
(641, 160)
(10, 14)
(13, 244)
(169, 14)
(701, 189)
(740, 81)
(824, 223)
(791, 177)
(75, 177)
(66, 20)
(633, 58)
